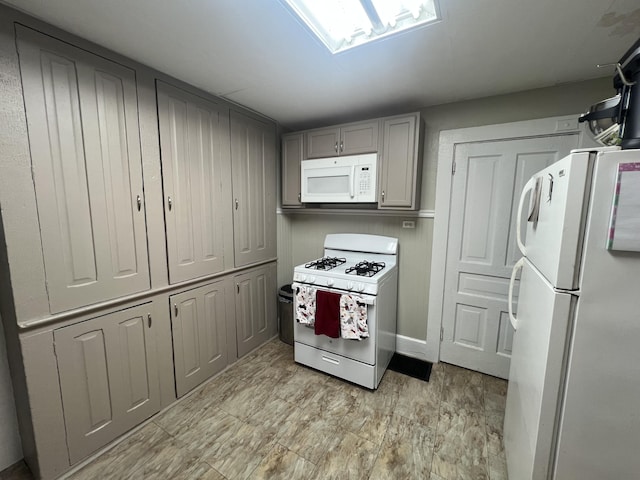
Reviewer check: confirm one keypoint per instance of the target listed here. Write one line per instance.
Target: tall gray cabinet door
(194, 136)
(108, 377)
(253, 163)
(199, 335)
(292, 151)
(85, 146)
(399, 163)
(255, 308)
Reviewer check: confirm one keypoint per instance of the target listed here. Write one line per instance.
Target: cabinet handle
(169, 202)
(299, 197)
(175, 308)
(382, 196)
(139, 201)
(341, 146)
(238, 287)
(149, 319)
(237, 203)
(336, 147)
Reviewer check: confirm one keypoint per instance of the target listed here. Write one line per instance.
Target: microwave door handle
(352, 186)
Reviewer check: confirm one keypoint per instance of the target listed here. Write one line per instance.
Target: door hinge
(453, 168)
(441, 333)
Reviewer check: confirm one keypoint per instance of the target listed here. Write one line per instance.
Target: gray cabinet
(256, 314)
(194, 138)
(82, 118)
(292, 152)
(348, 139)
(199, 334)
(108, 377)
(400, 163)
(253, 164)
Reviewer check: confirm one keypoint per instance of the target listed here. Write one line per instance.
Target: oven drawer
(337, 365)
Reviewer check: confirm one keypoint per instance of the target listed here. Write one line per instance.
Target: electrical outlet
(408, 224)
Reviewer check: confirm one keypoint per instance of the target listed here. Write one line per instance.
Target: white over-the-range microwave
(348, 179)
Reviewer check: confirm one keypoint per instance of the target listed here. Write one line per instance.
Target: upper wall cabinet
(350, 139)
(194, 138)
(253, 164)
(400, 162)
(85, 147)
(292, 151)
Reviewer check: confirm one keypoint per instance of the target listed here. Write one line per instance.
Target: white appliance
(364, 265)
(573, 401)
(348, 179)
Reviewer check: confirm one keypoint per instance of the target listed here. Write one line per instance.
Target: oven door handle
(368, 299)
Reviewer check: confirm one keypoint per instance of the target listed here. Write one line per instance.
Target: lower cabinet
(108, 377)
(198, 322)
(256, 314)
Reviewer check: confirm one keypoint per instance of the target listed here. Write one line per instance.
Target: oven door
(362, 350)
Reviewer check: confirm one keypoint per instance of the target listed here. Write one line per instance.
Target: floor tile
(352, 458)
(406, 452)
(463, 388)
(283, 464)
(200, 471)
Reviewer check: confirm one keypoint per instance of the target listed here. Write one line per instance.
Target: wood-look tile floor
(268, 417)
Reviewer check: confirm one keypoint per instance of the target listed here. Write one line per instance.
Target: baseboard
(415, 348)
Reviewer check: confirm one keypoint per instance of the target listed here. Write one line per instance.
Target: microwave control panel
(364, 180)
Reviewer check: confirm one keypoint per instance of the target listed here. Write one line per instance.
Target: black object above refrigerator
(616, 120)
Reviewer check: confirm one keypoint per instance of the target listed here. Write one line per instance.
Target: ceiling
(254, 52)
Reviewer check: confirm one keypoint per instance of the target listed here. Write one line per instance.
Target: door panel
(255, 308)
(194, 135)
(485, 193)
(322, 143)
(254, 189)
(108, 377)
(535, 375)
(85, 148)
(199, 334)
(359, 138)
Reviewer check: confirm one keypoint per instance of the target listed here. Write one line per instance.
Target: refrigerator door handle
(528, 187)
(514, 272)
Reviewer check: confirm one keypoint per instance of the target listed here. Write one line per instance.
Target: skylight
(344, 24)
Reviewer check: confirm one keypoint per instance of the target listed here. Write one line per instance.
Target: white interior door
(487, 180)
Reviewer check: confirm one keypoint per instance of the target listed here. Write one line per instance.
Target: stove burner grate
(365, 269)
(325, 263)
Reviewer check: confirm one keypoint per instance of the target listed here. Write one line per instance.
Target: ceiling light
(344, 24)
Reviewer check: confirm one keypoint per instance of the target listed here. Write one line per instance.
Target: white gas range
(363, 266)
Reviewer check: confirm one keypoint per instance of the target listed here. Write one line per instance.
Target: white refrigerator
(573, 401)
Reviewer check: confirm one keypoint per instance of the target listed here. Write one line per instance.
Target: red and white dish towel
(329, 313)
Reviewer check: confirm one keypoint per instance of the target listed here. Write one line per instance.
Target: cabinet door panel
(254, 189)
(292, 151)
(255, 308)
(85, 148)
(108, 378)
(399, 161)
(199, 334)
(322, 143)
(359, 138)
(194, 139)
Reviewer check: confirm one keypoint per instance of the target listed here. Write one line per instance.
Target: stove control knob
(349, 285)
(361, 287)
(303, 278)
(312, 279)
(329, 282)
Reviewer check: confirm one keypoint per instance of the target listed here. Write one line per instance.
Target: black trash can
(285, 313)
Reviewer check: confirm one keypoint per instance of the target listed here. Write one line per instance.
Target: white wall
(10, 448)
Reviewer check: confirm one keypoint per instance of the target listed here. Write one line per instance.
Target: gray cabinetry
(292, 152)
(400, 164)
(255, 307)
(199, 334)
(194, 137)
(349, 139)
(108, 377)
(253, 160)
(85, 147)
